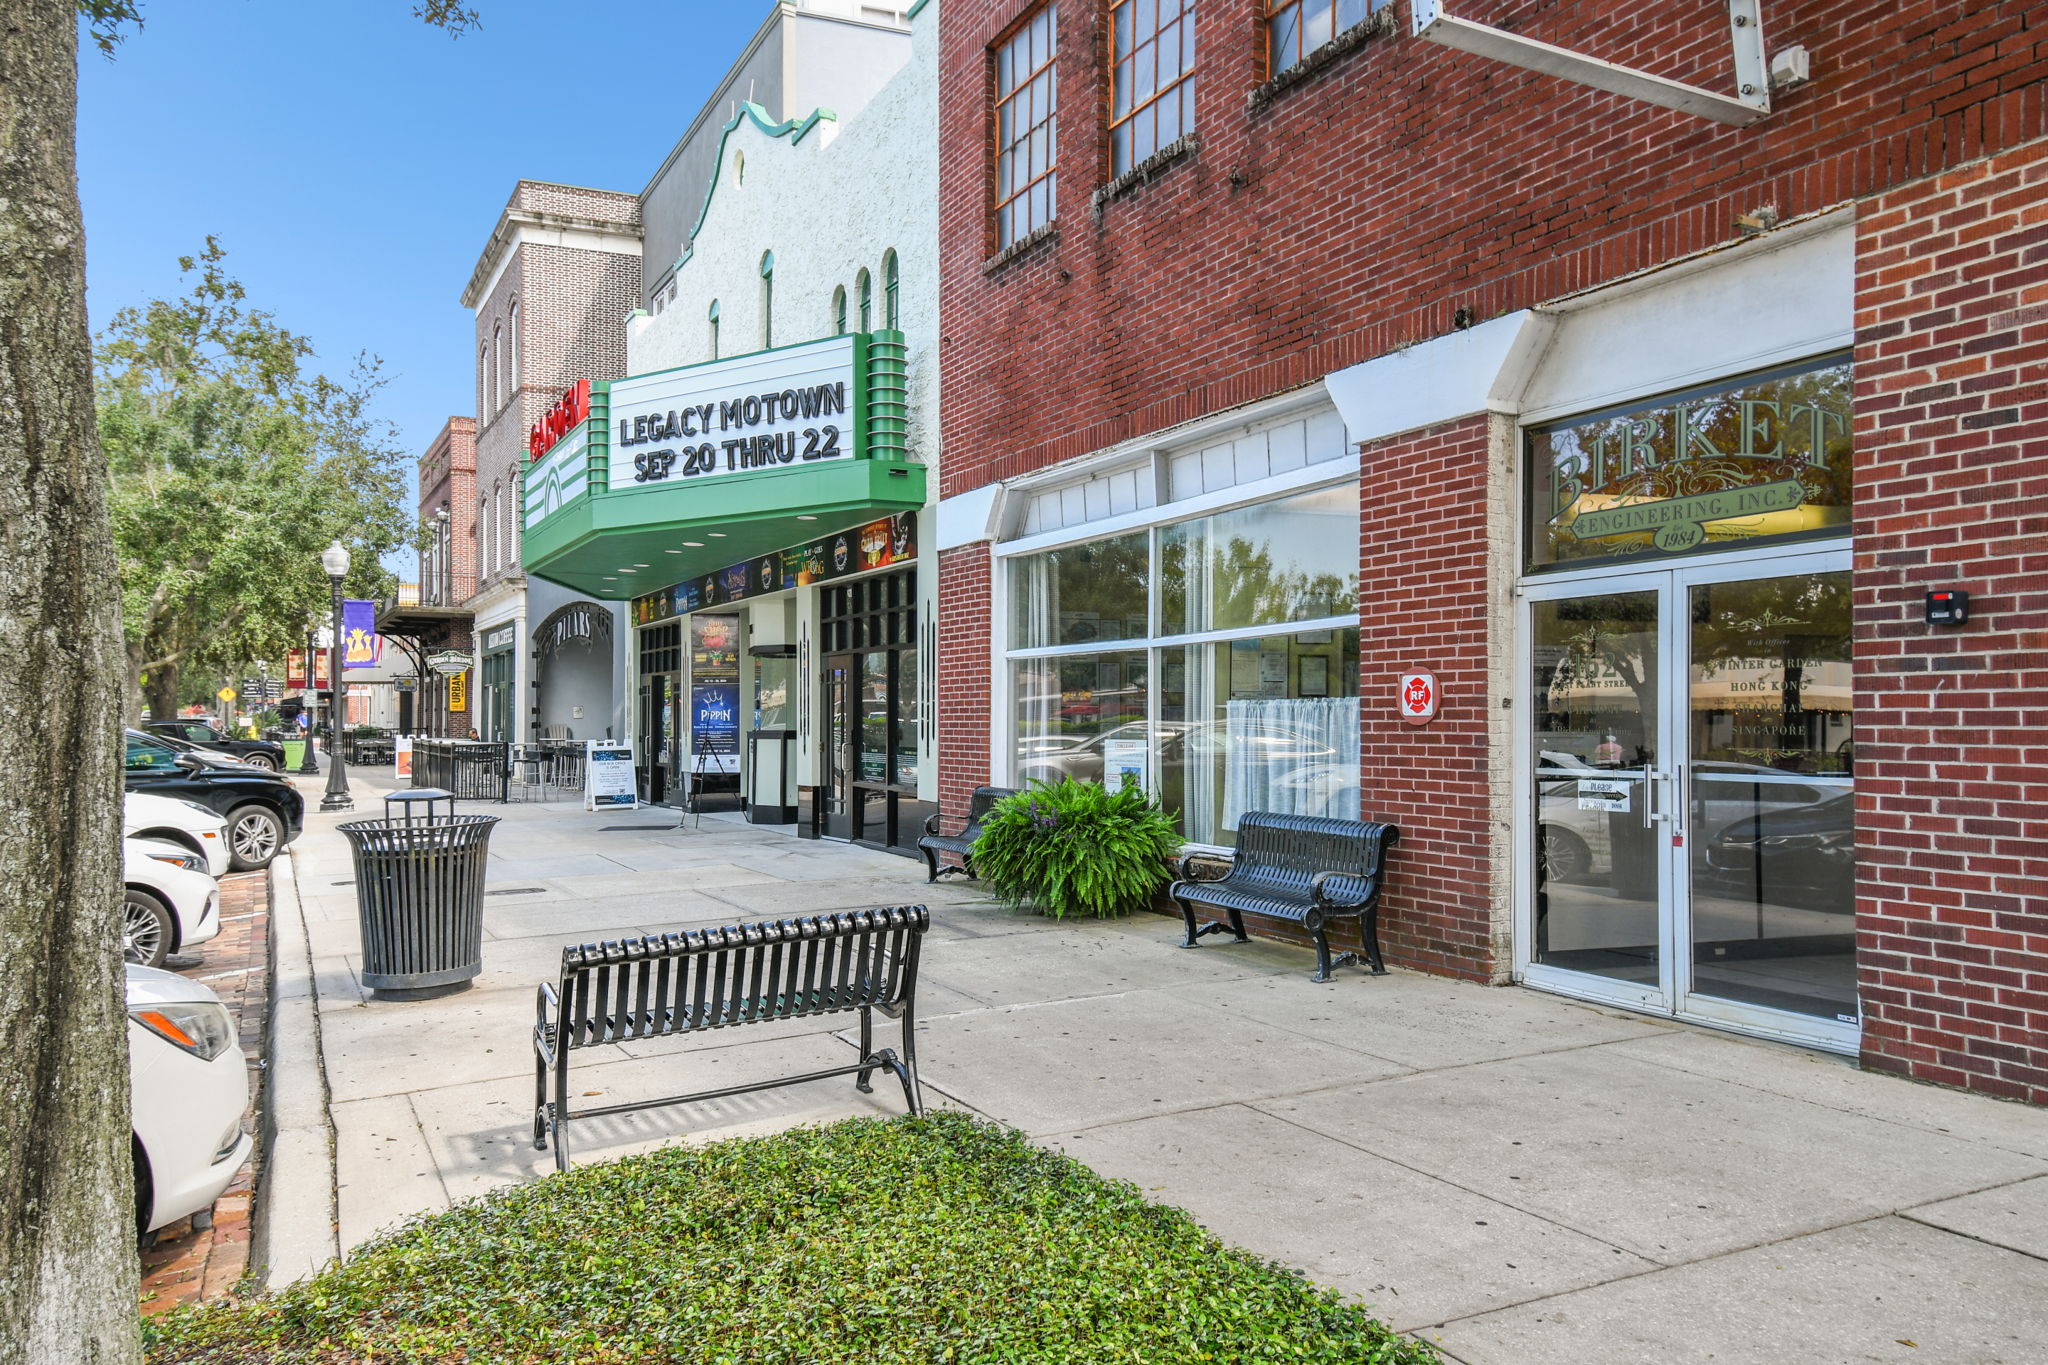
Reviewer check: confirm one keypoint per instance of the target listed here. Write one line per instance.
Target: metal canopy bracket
(1745, 30)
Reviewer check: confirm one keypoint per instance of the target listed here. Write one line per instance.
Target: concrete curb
(295, 1228)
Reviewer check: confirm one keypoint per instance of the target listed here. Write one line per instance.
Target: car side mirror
(191, 763)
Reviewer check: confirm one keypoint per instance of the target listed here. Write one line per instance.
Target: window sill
(1145, 172)
(1023, 246)
(1377, 25)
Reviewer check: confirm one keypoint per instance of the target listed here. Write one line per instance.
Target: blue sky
(353, 161)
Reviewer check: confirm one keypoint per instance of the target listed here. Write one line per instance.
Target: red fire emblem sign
(1416, 698)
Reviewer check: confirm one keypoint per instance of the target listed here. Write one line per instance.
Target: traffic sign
(226, 694)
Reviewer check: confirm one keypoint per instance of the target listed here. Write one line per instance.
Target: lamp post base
(334, 801)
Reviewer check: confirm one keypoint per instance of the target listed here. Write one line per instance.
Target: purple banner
(361, 646)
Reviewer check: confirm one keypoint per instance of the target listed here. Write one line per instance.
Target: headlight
(191, 862)
(199, 1027)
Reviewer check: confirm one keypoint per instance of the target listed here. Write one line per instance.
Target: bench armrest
(1319, 893)
(1185, 868)
(544, 1000)
(931, 823)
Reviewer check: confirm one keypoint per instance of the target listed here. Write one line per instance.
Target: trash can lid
(419, 794)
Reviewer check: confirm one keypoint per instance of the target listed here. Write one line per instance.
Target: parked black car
(263, 810)
(262, 753)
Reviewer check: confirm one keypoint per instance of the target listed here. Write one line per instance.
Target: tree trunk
(161, 692)
(67, 1253)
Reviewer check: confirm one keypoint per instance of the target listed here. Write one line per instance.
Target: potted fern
(1076, 849)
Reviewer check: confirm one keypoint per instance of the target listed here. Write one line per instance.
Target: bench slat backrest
(712, 978)
(984, 801)
(1287, 851)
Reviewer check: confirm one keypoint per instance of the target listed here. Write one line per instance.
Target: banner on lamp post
(362, 647)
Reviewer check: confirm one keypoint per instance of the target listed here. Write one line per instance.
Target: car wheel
(255, 834)
(1564, 856)
(145, 1189)
(145, 929)
(263, 761)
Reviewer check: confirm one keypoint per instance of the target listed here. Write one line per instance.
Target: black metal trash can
(420, 899)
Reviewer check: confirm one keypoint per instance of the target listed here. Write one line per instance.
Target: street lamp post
(307, 766)
(334, 559)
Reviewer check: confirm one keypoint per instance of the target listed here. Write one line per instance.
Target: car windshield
(145, 755)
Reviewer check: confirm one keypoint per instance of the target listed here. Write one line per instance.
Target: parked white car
(185, 823)
(166, 908)
(189, 1086)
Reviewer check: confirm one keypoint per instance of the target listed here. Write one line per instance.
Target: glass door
(1688, 825)
(840, 733)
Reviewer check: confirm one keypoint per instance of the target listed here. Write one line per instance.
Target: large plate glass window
(1214, 661)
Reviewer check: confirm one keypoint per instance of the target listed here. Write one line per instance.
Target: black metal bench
(962, 844)
(1305, 868)
(669, 984)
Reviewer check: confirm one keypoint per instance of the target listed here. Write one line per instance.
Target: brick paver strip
(186, 1265)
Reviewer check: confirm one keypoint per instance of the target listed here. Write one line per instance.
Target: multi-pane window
(1152, 81)
(1295, 28)
(1027, 128)
(767, 299)
(839, 311)
(891, 316)
(864, 284)
(711, 316)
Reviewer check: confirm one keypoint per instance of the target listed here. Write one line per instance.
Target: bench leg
(540, 1101)
(1237, 925)
(560, 1118)
(1369, 939)
(867, 1050)
(931, 860)
(913, 1093)
(1322, 955)
(1187, 913)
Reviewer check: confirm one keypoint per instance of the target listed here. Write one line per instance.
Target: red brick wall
(1431, 780)
(1952, 723)
(1359, 210)
(964, 682)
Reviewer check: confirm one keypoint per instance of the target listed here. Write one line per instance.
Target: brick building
(1292, 352)
(434, 617)
(550, 295)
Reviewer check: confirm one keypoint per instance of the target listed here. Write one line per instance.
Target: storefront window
(1215, 727)
(1291, 560)
(1081, 594)
(1074, 712)
(1268, 724)
(1766, 459)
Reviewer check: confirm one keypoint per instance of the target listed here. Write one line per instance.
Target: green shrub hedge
(907, 1240)
(1076, 849)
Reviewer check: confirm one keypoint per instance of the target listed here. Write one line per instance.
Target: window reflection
(1295, 559)
(1080, 594)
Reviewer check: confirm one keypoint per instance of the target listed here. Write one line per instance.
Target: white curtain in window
(1291, 756)
(1035, 602)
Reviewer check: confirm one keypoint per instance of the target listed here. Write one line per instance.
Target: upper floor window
(498, 370)
(864, 285)
(1152, 78)
(512, 338)
(1027, 128)
(483, 382)
(712, 317)
(767, 299)
(839, 311)
(892, 316)
(1295, 28)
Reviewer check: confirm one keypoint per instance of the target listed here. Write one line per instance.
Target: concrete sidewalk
(1511, 1176)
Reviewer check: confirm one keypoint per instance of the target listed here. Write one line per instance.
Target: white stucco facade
(831, 197)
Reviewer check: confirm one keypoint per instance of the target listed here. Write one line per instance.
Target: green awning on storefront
(597, 543)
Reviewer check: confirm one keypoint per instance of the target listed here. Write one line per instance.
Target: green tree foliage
(232, 467)
(1076, 849)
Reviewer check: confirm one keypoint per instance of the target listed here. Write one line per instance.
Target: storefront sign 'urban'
(765, 411)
